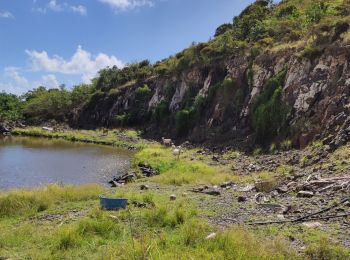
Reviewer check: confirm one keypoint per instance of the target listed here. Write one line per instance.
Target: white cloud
(13, 74)
(49, 81)
(122, 5)
(80, 9)
(17, 84)
(6, 14)
(55, 6)
(82, 63)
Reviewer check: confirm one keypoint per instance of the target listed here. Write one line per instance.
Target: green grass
(162, 230)
(29, 202)
(182, 171)
(120, 138)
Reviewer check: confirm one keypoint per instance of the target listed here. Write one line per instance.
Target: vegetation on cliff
(122, 96)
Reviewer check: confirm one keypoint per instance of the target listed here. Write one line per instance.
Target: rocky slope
(218, 101)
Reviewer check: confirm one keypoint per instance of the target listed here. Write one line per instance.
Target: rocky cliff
(251, 96)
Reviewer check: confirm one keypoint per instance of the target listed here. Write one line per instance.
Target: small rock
(281, 217)
(115, 184)
(282, 189)
(260, 198)
(144, 187)
(312, 224)
(139, 204)
(215, 158)
(242, 199)
(211, 236)
(247, 188)
(227, 184)
(292, 185)
(172, 197)
(213, 192)
(305, 194)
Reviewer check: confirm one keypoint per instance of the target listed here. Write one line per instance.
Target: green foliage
(10, 107)
(287, 11)
(228, 84)
(115, 77)
(286, 145)
(223, 29)
(316, 11)
(311, 52)
(182, 122)
(325, 250)
(188, 117)
(68, 239)
(143, 92)
(80, 95)
(245, 26)
(123, 119)
(270, 113)
(212, 92)
(42, 104)
(161, 112)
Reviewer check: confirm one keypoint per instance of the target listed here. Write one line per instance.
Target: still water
(33, 162)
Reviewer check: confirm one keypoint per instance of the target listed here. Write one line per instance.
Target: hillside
(276, 74)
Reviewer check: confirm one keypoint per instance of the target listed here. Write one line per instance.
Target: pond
(34, 162)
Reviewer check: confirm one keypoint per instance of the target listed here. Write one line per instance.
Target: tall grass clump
(26, 202)
(68, 238)
(324, 249)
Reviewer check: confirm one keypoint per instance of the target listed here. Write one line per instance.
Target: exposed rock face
(318, 91)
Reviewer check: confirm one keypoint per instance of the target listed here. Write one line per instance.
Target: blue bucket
(113, 204)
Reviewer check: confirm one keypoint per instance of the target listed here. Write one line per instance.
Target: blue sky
(48, 42)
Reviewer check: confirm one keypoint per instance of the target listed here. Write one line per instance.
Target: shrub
(223, 29)
(161, 111)
(123, 119)
(10, 107)
(103, 227)
(287, 11)
(196, 109)
(286, 145)
(228, 85)
(270, 113)
(311, 52)
(324, 250)
(182, 122)
(114, 92)
(143, 92)
(68, 238)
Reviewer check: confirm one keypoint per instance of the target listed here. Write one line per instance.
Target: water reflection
(32, 162)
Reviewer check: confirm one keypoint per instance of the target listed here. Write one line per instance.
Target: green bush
(182, 122)
(10, 107)
(324, 250)
(270, 113)
(143, 92)
(123, 119)
(311, 52)
(228, 85)
(287, 11)
(161, 111)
